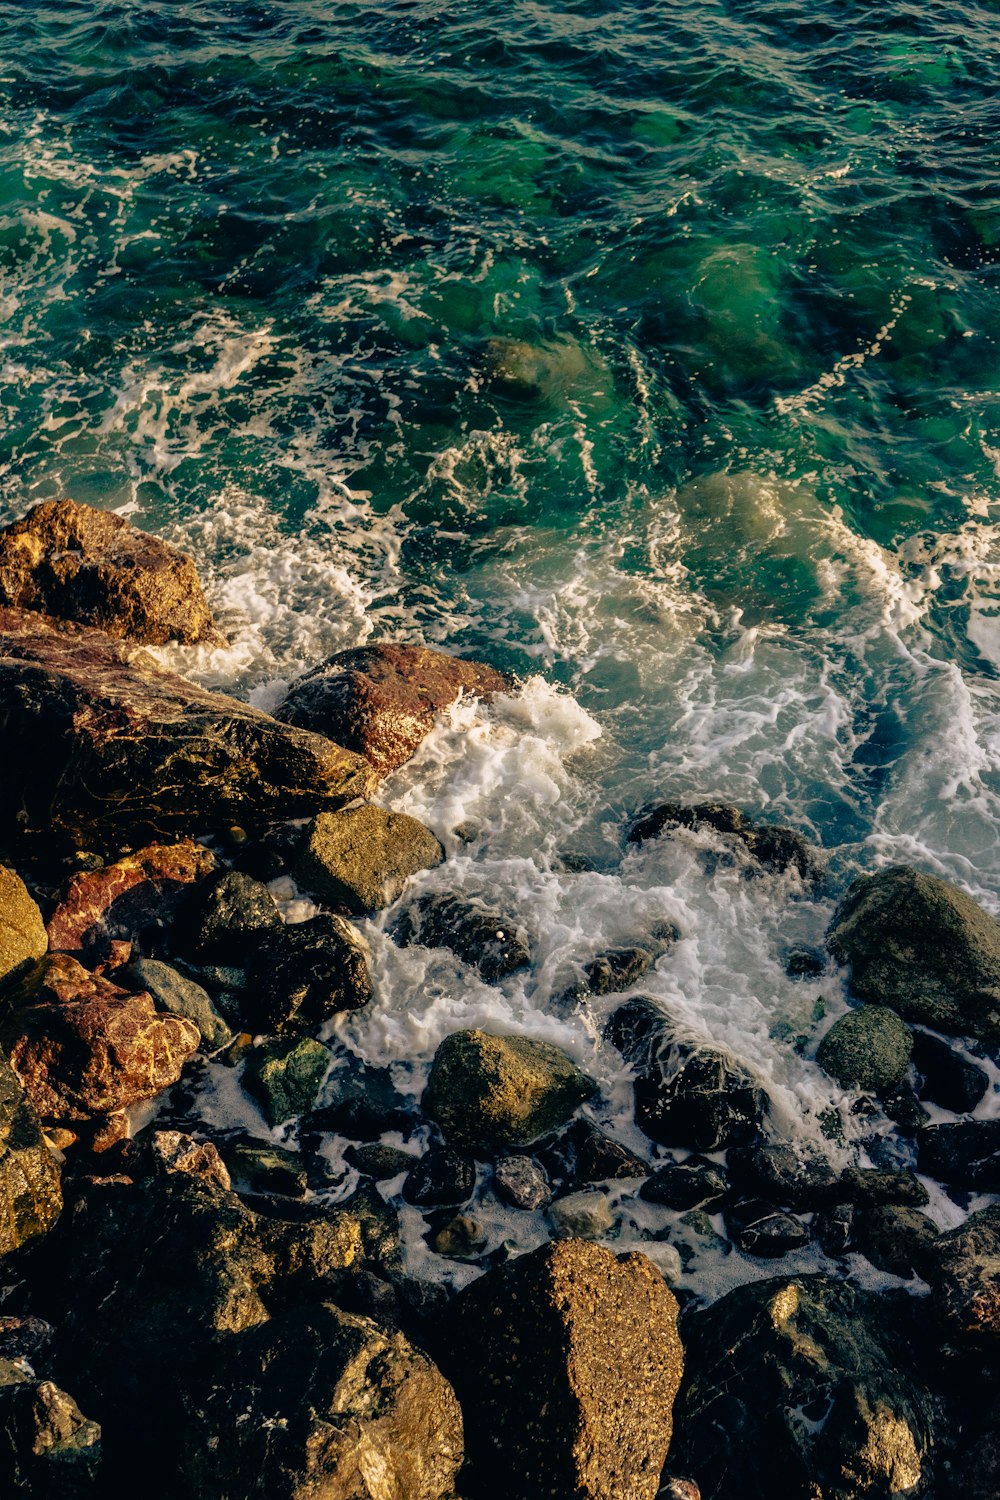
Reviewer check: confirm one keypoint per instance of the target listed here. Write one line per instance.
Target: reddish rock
(101, 744)
(85, 1049)
(381, 700)
(101, 910)
(77, 563)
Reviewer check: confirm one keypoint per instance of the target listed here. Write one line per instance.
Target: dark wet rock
(583, 1154)
(965, 1154)
(947, 1078)
(617, 969)
(362, 858)
(225, 917)
(259, 1167)
(567, 1362)
(462, 1238)
(440, 1179)
(363, 1414)
(584, 1216)
(378, 1161)
(362, 1103)
(22, 931)
(83, 1047)
(378, 1225)
(285, 1075)
(24, 1337)
(905, 1110)
(792, 1176)
(160, 1152)
(179, 996)
(869, 1048)
(764, 1231)
(686, 1094)
(976, 1473)
(804, 962)
(30, 1193)
(75, 562)
(833, 1227)
(521, 1182)
(48, 1449)
(473, 931)
(381, 700)
(776, 848)
(101, 745)
(868, 1186)
(804, 1387)
(963, 1268)
(493, 1092)
(304, 974)
(895, 1238)
(924, 947)
(692, 1183)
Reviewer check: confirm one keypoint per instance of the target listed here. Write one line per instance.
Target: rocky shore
(189, 1308)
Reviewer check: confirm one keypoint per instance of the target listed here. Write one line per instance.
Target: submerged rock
(381, 700)
(567, 1362)
(285, 1077)
(30, 1193)
(764, 1231)
(472, 930)
(362, 858)
(304, 974)
(493, 1092)
(776, 848)
(924, 947)
(869, 1048)
(947, 1078)
(686, 1094)
(22, 931)
(102, 744)
(75, 562)
(965, 1154)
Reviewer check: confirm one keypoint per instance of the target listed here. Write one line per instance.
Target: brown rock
(172, 1151)
(100, 744)
(22, 931)
(567, 1362)
(83, 1048)
(381, 700)
(104, 911)
(363, 857)
(92, 566)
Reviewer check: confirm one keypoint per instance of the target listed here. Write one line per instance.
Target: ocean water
(650, 349)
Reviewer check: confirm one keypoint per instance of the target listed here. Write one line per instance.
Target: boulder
(870, 1187)
(894, 1238)
(322, 1403)
(686, 1094)
(22, 931)
(492, 1092)
(83, 1047)
(381, 700)
(963, 1267)
(75, 562)
(804, 1387)
(101, 745)
(583, 1154)
(303, 974)
(442, 1178)
(48, 1449)
(793, 1176)
(924, 947)
(582, 1216)
(833, 1227)
(476, 933)
(947, 1078)
(362, 858)
(179, 996)
(681, 1185)
(567, 1361)
(965, 1154)
(223, 920)
(777, 849)
(869, 1049)
(30, 1193)
(285, 1077)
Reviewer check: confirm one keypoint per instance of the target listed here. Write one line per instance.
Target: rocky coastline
(201, 1311)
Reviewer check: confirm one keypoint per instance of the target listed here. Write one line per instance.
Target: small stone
(660, 1253)
(763, 1231)
(905, 1110)
(582, 1216)
(440, 1179)
(285, 1077)
(868, 1049)
(463, 1238)
(584, 1154)
(225, 916)
(833, 1227)
(475, 932)
(180, 996)
(22, 931)
(679, 1489)
(363, 857)
(693, 1183)
(894, 1238)
(378, 1161)
(949, 1079)
(520, 1182)
(172, 1151)
(264, 1168)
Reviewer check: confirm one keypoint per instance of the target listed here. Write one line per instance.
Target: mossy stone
(869, 1048)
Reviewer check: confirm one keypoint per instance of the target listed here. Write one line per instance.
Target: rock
(79, 563)
(103, 912)
(686, 1094)
(804, 1387)
(949, 1079)
(693, 1183)
(582, 1216)
(179, 996)
(906, 1111)
(462, 1238)
(304, 974)
(802, 961)
(894, 1238)
(679, 1489)
(567, 1362)
(22, 931)
(83, 1047)
(362, 858)
(761, 1230)
(30, 1194)
(378, 1161)
(226, 917)
(24, 1338)
(776, 848)
(791, 1176)
(493, 1092)
(585, 1154)
(522, 1183)
(867, 1049)
(48, 1448)
(481, 937)
(322, 1403)
(101, 744)
(285, 1076)
(440, 1179)
(976, 1475)
(867, 1186)
(363, 1103)
(963, 1268)
(260, 1167)
(165, 1151)
(617, 969)
(833, 1227)
(924, 947)
(964, 1155)
(381, 700)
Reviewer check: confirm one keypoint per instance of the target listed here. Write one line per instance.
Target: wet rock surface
(869, 1048)
(777, 849)
(285, 1077)
(180, 996)
(22, 931)
(481, 937)
(947, 1078)
(30, 1193)
(48, 1449)
(302, 975)
(362, 858)
(965, 1154)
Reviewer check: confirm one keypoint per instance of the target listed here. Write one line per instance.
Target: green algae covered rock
(285, 1076)
(362, 858)
(869, 1048)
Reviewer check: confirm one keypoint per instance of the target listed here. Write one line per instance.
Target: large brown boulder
(567, 1362)
(85, 1049)
(381, 700)
(30, 1195)
(77, 563)
(22, 931)
(100, 744)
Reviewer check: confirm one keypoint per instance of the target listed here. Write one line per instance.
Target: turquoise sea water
(650, 347)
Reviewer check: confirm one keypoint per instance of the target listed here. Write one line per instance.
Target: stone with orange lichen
(103, 909)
